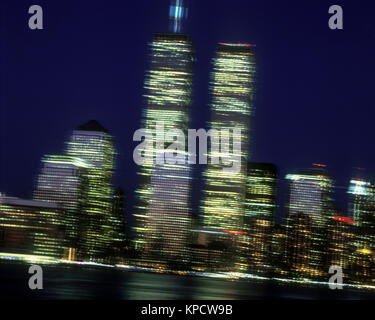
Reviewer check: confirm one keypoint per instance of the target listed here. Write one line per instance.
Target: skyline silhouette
(313, 97)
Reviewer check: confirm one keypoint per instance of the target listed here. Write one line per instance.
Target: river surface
(82, 282)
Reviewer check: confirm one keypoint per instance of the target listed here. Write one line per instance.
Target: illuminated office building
(168, 94)
(299, 247)
(31, 227)
(63, 181)
(341, 244)
(277, 250)
(362, 203)
(118, 226)
(93, 144)
(310, 193)
(166, 237)
(309, 207)
(232, 91)
(118, 211)
(259, 216)
(210, 254)
(362, 208)
(362, 265)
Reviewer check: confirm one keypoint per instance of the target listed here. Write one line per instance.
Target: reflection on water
(75, 282)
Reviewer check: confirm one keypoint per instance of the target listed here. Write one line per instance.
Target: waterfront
(72, 282)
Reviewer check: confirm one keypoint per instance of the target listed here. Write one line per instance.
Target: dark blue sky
(315, 89)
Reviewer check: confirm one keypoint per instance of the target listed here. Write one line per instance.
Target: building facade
(341, 234)
(309, 208)
(361, 193)
(260, 205)
(232, 93)
(93, 144)
(168, 229)
(31, 228)
(168, 95)
(63, 180)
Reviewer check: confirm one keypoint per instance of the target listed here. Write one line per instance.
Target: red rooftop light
(343, 219)
(235, 232)
(319, 165)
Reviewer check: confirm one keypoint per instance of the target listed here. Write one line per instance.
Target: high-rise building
(361, 194)
(168, 93)
(118, 226)
(300, 257)
(309, 207)
(92, 143)
(310, 192)
(277, 250)
(232, 93)
(166, 237)
(259, 216)
(362, 265)
(118, 209)
(362, 202)
(63, 180)
(31, 227)
(341, 244)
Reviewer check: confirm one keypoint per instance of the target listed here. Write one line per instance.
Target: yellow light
(365, 251)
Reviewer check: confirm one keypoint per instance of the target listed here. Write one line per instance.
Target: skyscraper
(168, 93)
(259, 216)
(309, 208)
(362, 202)
(232, 92)
(63, 181)
(310, 192)
(361, 194)
(166, 237)
(277, 250)
(341, 244)
(93, 144)
(118, 226)
(302, 262)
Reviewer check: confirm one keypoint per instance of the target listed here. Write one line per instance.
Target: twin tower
(163, 213)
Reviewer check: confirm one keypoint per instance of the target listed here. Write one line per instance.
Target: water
(77, 282)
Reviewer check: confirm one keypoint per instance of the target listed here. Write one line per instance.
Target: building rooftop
(92, 125)
(27, 203)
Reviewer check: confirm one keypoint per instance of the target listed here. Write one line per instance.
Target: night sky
(315, 86)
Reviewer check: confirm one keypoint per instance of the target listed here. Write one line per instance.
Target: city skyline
(149, 148)
(336, 142)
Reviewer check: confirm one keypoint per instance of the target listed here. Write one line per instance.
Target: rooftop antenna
(178, 12)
